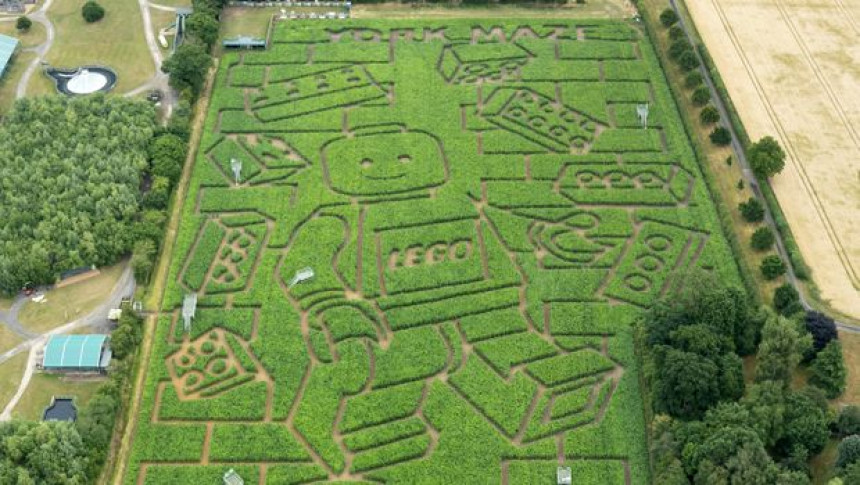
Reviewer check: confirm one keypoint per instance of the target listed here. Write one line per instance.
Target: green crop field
(484, 215)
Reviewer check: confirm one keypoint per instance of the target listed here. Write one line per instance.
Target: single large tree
(687, 384)
(187, 67)
(766, 157)
(203, 25)
(780, 351)
(828, 370)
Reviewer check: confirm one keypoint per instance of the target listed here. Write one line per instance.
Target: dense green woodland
(70, 177)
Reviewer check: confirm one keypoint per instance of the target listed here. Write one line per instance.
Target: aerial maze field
(484, 215)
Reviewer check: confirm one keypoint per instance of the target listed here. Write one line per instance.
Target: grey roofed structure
(233, 478)
(7, 49)
(244, 42)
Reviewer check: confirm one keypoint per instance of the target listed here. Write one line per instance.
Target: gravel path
(41, 50)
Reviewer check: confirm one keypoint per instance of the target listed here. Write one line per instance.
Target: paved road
(41, 50)
(97, 318)
(159, 80)
(748, 175)
(9, 318)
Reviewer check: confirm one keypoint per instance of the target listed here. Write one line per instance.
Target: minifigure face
(384, 163)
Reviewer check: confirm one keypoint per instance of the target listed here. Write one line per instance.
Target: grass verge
(43, 386)
(121, 449)
(10, 376)
(62, 305)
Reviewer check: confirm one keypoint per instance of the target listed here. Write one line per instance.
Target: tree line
(714, 425)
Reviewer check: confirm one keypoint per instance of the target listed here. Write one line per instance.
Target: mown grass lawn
(116, 41)
(65, 304)
(43, 386)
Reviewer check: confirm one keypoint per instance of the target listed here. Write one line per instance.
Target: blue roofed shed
(7, 48)
(77, 353)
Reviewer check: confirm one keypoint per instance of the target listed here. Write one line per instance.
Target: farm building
(7, 49)
(61, 409)
(77, 353)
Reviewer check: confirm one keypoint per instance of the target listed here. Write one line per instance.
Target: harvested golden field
(792, 68)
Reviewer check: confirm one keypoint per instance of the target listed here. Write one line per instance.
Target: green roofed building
(244, 42)
(77, 353)
(7, 49)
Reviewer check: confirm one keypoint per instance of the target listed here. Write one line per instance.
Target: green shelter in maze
(77, 353)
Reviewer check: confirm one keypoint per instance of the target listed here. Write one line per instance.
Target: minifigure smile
(385, 177)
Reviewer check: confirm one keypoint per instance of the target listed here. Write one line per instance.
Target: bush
(849, 451)
(676, 32)
(679, 47)
(168, 156)
(158, 194)
(688, 60)
(766, 157)
(786, 301)
(142, 260)
(762, 239)
(752, 210)
(848, 422)
(668, 18)
(708, 116)
(92, 11)
(23, 23)
(828, 370)
(822, 328)
(693, 80)
(701, 96)
(772, 267)
(721, 136)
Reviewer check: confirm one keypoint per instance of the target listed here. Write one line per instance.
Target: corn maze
(484, 215)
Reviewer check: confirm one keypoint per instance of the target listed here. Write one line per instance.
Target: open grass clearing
(116, 41)
(9, 83)
(254, 22)
(31, 38)
(8, 338)
(62, 305)
(11, 372)
(42, 387)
